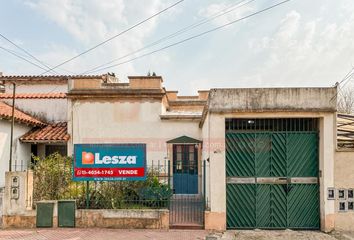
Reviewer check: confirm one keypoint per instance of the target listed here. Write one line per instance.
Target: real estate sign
(109, 162)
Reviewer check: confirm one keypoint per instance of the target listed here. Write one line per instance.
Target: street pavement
(100, 233)
(127, 234)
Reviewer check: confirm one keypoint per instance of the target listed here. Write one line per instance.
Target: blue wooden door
(185, 169)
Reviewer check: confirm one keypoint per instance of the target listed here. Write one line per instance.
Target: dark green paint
(184, 139)
(66, 213)
(44, 216)
(272, 154)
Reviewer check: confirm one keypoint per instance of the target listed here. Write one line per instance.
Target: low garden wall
(23, 220)
(100, 218)
(123, 218)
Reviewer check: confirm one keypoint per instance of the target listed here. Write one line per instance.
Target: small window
(350, 193)
(350, 206)
(341, 194)
(331, 194)
(342, 206)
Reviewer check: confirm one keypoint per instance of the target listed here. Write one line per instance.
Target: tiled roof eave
(59, 95)
(55, 133)
(44, 141)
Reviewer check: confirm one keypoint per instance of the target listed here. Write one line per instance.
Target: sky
(300, 43)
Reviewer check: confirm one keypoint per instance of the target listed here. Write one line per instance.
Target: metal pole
(87, 195)
(204, 183)
(169, 174)
(168, 182)
(12, 124)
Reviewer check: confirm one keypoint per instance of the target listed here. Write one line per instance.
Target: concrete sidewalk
(99, 233)
(275, 235)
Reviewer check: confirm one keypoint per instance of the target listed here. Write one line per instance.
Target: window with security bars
(185, 159)
(272, 124)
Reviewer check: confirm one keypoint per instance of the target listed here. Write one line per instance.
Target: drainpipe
(12, 123)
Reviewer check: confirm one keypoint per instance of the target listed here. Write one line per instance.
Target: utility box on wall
(15, 184)
(44, 217)
(66, 213)
(18, 194)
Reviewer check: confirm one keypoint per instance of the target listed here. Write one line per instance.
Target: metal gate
(186, 207)
(272, 174)
(186, 211)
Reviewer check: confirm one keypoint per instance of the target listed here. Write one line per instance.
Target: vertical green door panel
(262, 154)
(263, 208)
(303, 206)
(241, 205)
(302, 152)
(240, 154)
(278, 159)
(278, 206)
(271, 206)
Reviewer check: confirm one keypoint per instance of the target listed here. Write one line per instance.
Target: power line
(194, 36)
(182, 30)
(21, 56)
(345, 80)
(25, 51)
(115, 36)
(15, 54)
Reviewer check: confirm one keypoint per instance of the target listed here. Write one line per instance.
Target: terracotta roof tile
(6, 112)
(44, 77)
(33, 95)
(51, 133)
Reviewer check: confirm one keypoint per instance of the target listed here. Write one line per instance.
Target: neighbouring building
(260, 157)
(40, 117)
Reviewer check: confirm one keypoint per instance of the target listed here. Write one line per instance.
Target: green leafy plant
(52, 177)
(53, 181)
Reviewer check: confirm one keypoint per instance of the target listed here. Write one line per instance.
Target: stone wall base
(215, 221)
(18, 221)
(102, 218)
(133, 219)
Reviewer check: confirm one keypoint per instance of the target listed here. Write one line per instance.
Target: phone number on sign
(94, 172)
(109, 172)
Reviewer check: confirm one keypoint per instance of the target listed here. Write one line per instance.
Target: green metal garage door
(272, 178)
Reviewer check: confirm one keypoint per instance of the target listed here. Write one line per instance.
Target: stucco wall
(48, 110)
(21, 151)
(37, 88)
(206, 156)
(127, 122)
(344, 178)
(272, 99)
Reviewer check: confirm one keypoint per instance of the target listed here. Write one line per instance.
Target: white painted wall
(127, 122)
(206, 156)
(38, 88)
(21, 151)
(48, 110)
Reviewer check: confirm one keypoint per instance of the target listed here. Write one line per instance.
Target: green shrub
(53, 181)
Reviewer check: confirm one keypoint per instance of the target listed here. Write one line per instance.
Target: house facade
(255, 157)
(270, 152)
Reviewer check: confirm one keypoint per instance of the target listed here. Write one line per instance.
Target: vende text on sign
(112, 162)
